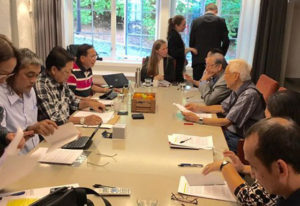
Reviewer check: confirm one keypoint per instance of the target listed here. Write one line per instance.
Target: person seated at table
(56, 100)
(280, 104)
(159, 66)
(212, 85)
(18, 100)
(81, 79)
(241, 109)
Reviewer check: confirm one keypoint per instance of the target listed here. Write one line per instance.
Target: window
(228, 9)
(118, 29)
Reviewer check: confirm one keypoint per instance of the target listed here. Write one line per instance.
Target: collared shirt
(292, 200)
(55, 101)
(19, 112)
(81, 81)
(254, 195)
(243, 108)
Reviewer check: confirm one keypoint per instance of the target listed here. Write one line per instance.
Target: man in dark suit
(207, 32)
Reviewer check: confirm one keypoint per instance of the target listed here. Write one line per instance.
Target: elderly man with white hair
(244, 106)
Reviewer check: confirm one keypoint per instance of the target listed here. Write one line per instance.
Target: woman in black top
(176, 45)
(159, 65)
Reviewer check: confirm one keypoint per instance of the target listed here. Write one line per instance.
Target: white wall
(293, 60)
(5, 25)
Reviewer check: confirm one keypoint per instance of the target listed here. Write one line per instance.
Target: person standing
(176, 45)
(207, 32)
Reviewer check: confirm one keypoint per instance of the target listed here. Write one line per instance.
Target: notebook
(116, 80)
(82, 142)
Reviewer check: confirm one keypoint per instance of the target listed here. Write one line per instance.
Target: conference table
(144, 161)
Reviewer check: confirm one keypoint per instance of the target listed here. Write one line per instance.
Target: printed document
(106, 116)
(63, 135)
(200, 115)
(190, 142)
(218, 192)
(213, 178)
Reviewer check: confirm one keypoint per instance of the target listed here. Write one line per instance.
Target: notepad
(58, 156)
(198, 179)
(218, 192)
(200, 115)
(190, 142)
(63, 135)
(106, 116)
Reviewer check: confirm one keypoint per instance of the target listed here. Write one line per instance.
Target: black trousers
(198, 70)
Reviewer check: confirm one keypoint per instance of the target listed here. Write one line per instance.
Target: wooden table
(144, 162)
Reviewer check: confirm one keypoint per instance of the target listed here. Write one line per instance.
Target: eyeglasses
(184, 198)
(6, 75)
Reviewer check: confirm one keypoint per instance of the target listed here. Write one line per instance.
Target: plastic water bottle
(138, 77)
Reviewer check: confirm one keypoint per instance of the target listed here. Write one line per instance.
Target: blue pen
(190, 165)
(17, 193)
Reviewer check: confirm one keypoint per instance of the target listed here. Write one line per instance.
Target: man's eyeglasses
(6, 75)
(184, 198)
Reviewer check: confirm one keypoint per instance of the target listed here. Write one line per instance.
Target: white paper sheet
(58, 156)
(213, 178)
(103, 126)
(218, 192)
(190, 142)
(12, 148)
(14, 167)
(200, 115)
(106, 116)
(106, 102)
(64, 134)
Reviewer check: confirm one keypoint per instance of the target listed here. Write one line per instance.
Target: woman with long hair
(176, 46)
(159, 65)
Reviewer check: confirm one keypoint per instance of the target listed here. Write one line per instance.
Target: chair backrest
(72, 49)
(267, 86)
(240, 151)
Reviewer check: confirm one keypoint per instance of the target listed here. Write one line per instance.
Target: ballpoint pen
(190, 165)
(101, 186)
(183, 141)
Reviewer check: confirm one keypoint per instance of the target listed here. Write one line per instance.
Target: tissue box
(119, 131)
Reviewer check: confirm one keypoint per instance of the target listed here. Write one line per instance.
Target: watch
(223, 164)
(200, 121)
(82, 120)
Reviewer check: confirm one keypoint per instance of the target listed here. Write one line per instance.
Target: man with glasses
(81, 79)
(212, 85)
(244, 106)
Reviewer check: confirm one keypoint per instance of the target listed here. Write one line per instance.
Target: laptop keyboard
(80, 142)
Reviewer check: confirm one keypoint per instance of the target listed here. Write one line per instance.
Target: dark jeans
(232, 140)
(198, 70)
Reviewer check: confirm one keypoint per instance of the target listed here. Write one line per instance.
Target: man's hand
(211, 167)
(159, 77)
(207, 75)
(189, 116)
(188, 78)
(45, 127)
(26, 136)
(96, 106)
(194, 107)
(235, 160)
(92, 120)
(194, 51)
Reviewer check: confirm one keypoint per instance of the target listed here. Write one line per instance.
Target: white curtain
(248, 29)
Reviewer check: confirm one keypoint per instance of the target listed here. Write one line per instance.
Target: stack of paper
(218, 191)
(200, 115)
(106, 116)
(63, 135)
(106, 102)
(58, 156)
(190, 142)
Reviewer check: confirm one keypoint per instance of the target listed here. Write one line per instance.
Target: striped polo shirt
(81, 81)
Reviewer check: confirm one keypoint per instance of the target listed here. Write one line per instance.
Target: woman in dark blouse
(176, 45)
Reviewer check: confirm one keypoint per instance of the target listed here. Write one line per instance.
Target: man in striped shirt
(81, 79)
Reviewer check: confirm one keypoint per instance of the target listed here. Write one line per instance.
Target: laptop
(83, 142)
(116, 80)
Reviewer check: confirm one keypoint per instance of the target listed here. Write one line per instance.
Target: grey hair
(28, 57)
(242, 67)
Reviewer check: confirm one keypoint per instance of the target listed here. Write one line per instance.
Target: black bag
(69, 196)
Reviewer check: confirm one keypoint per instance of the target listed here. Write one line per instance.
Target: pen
(183, 141)
(188, 123)
(101, 186)
(190, 165)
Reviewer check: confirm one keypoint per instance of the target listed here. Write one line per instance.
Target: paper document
(63, 135)
(164, 83)
(213, 178)
(106, 102)
(14, 167)
(200, 115)
(103, 126)
(218, 192)
(28, 196)
(106, 116)
(190, 142)
(12, 148)
(58, 156)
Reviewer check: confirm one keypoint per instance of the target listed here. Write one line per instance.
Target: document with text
(190, 142)
(200, 115)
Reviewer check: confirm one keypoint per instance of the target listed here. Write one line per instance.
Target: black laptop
(116, 80)
(83, 142)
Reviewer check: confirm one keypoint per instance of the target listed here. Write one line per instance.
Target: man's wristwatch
(200, 121)
(223, 164)
(82, 120)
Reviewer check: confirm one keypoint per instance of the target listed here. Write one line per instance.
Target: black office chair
(72, 49)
